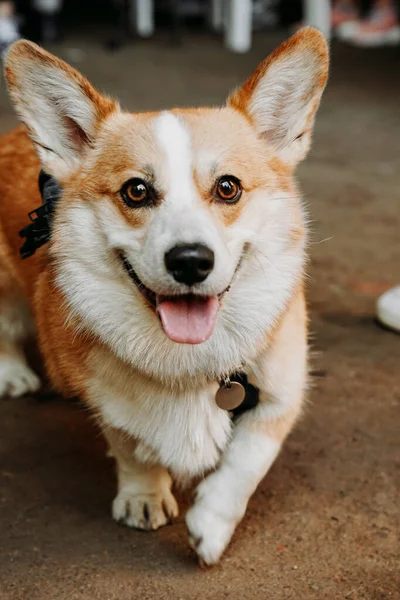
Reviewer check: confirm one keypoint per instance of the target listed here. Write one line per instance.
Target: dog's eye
(228, 189)
(135, 192)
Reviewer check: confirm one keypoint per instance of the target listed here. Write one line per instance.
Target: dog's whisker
(328, 239)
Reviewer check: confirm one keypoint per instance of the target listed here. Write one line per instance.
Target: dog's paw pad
(16, 378)
(145, 511)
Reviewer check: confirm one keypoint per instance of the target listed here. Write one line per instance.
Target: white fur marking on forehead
(174, 139)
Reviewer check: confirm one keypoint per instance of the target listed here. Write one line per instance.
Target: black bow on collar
(38, 231)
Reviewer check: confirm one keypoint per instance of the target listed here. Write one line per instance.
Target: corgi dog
(176, 259)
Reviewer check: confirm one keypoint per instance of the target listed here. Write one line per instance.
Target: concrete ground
(325, 522)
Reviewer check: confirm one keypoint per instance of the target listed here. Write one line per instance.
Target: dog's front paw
(16, 378)
(209, 533)
(218, 508)
(213, 518)
(145, 511)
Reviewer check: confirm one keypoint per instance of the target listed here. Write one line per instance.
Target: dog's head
(179, 238)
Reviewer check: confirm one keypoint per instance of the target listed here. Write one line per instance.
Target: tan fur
(288, 337)
(159, 420)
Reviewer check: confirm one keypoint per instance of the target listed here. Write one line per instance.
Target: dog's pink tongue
(188, 319)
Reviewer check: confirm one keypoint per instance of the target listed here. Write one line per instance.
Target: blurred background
(323, 524)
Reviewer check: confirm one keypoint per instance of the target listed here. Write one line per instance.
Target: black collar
(38, 232)
(251, 398)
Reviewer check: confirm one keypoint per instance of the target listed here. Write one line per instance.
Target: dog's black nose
(190, 263)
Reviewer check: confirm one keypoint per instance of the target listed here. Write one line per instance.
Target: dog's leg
(222, 497)
(16, 377)
(16, 323)
(144, 498)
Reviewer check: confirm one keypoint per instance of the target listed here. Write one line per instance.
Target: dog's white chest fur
(184, 431)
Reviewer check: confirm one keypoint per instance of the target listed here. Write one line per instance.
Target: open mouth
(185, 318)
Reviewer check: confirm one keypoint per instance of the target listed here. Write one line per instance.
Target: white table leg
(142, 13)
(47, 6)
(239, 25)
(318, 14)
(216, 14)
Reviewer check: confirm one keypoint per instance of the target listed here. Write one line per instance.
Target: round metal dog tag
(229, 397)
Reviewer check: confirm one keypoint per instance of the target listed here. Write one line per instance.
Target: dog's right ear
(59, 107)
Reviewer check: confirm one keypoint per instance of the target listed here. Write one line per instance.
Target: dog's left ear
(282, 97)
(61, 110)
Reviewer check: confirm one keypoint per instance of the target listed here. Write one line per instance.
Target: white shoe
(345, 31)
(372, 39)
(388, 309)
(379, 28)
